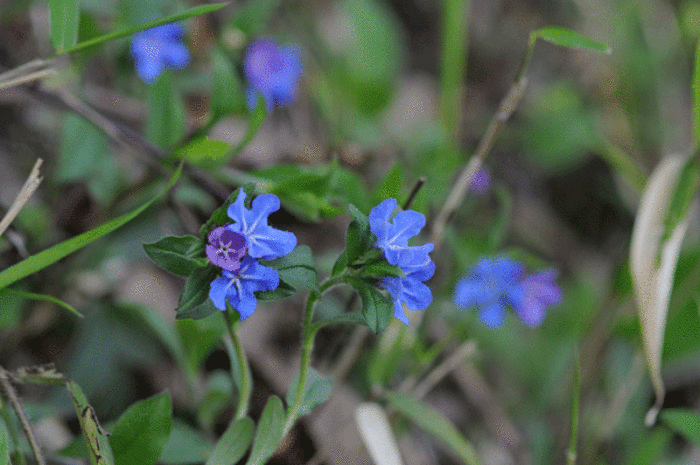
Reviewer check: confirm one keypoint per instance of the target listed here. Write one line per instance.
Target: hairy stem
(245, 386)
(9, 391)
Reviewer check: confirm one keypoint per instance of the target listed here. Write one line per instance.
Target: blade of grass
(455, 41)
(53, 254)
(47, 298)
(196, 11)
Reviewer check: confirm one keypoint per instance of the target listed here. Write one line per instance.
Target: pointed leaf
(434, 423)
(166, 112)
(375, 431)
(269, 433)
(205, 152)
(95, 437)
(129, 31)
(567, 38)
(652, 263)
(317, 390)
(226, 89)
(233, 444)
(64, 17)
(376, 308)
(176, 254)
(359, 238)
(196, 293)
(142, 431)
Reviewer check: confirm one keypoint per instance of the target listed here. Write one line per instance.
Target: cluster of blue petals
(496, 284)
(237, 249)
(272, 70)
(414, 261)
(158, 48)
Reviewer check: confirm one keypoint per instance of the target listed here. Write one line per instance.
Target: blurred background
(392, 90)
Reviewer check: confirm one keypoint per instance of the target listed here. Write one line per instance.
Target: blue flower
(539, 292)
(225, 248)
(414, 261)
(263, 241)
(481, 182)
(273, 71)
(492, 285)
(239, 287)
(392, 237)
(157, 48)
(410, 290)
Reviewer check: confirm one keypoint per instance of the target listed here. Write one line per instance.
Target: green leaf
(653, 445)
(233, 444)
(185, 446)
(376, 308)
(683, 195)
(4, 447)
(95, 437)
(340, 264)
(176, 254)
(683, 422)
(44, 297)
(269, 433)
(129, 31)
(53, 254)
(296, 270)
(381, 270)
(391, 186)
(251, 17)
(226, 89)
(166, 113)
(434, 423)
(84, 149)
(567, 38)
(203, 151)
(359, 238)
(696, 95)
(196, 293)
(317, 390)
(64, 18)
(142, 431)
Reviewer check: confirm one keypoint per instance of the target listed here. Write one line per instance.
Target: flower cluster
(414, 261)
(495, 284)
(273, 71)
(158, 48)
(237, 247)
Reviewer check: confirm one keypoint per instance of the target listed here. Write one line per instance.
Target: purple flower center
(226, 248)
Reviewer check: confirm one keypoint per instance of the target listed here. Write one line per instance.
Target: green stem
(245, 385)
(573, 436)
(14, 437)
(309, 333)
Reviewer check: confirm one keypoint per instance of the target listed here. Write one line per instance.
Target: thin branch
(30, 185)
(460, 188)
(28, 72)
(17, 406)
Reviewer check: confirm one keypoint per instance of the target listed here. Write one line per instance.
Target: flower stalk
(245, 385)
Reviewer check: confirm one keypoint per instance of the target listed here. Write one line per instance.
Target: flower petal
(492, 315)
(217, 292)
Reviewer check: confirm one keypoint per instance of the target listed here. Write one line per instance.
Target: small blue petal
(157, 48)
(272, 70)
(492, 315)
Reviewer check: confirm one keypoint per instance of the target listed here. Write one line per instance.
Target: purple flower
(273, 71)
(157, 48)
(495, 284)
(226, 248)
(238, 288)
(492, 285)
(481, 181)
(539, 291)
(263, 241)
(414, 261)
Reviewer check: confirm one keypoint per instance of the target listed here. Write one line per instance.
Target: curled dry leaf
(653, 263)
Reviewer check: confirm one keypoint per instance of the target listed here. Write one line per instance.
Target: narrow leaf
(129, 31)
(567, 38)
(53, 254)
(203, 151)
(269, 433)
(142, 431)
(44, 297)
(4, 447)
(683, 195)
(434, 423)
(652, 263)
(233, 444)
(256, 120)
(696, 95)
(166, 112)
(64, 18)
(376, 308)
(175, 254)
(684, 422)
(95, 437)
(359, 238)
(226, 87)
(375, 431)
(196, 290)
